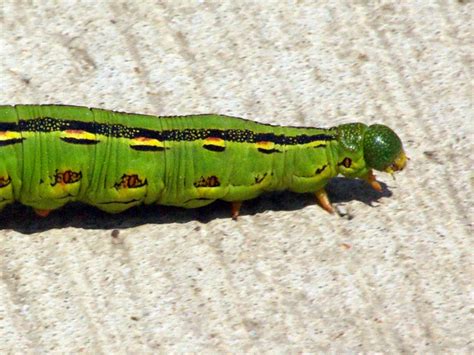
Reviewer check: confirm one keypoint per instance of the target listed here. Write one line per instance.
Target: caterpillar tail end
(373, 182)
(235, 209)
(323, 200)
(42, 213)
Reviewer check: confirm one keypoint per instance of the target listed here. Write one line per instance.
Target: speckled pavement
(391, 272)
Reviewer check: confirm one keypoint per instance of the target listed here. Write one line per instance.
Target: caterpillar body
(53, 154)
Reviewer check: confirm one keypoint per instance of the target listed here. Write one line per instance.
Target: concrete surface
(392, 273)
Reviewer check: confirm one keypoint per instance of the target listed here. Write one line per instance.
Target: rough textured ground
(392, 273)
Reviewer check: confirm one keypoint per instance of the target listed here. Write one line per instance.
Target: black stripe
(48, 124)
(199, 199)
(9, 126)
(11, 141)
(268, 151)
(82, 141)
(148, 148)
(213, 148)
(119, 202)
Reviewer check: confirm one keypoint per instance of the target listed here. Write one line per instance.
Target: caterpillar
(52, 154)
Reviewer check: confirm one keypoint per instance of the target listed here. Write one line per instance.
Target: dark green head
(383, 149)
(369, 147)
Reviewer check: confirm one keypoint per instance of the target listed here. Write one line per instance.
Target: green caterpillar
(52, 154)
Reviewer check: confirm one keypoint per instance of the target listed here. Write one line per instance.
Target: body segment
(51, 155)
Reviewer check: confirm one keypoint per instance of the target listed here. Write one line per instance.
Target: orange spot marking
(143, 139)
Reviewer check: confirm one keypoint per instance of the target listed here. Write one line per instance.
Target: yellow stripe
(316, 143)
(77, 134)
(215, 141)
(7, 135)
(143, 141)
(265, 145)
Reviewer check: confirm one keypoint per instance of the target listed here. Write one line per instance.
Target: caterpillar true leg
(42, 213)
(373, 182)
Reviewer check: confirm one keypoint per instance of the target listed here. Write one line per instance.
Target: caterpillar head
(363, 148)
(383, 149)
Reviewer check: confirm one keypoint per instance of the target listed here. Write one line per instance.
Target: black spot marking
(82, 141)
(347, 162)
(210, 181)
(259, 179)
(130, 182)
(66, 177)
(5, 181)
(268, 151)
(213, 148)
(320, 146)
(320, 170)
